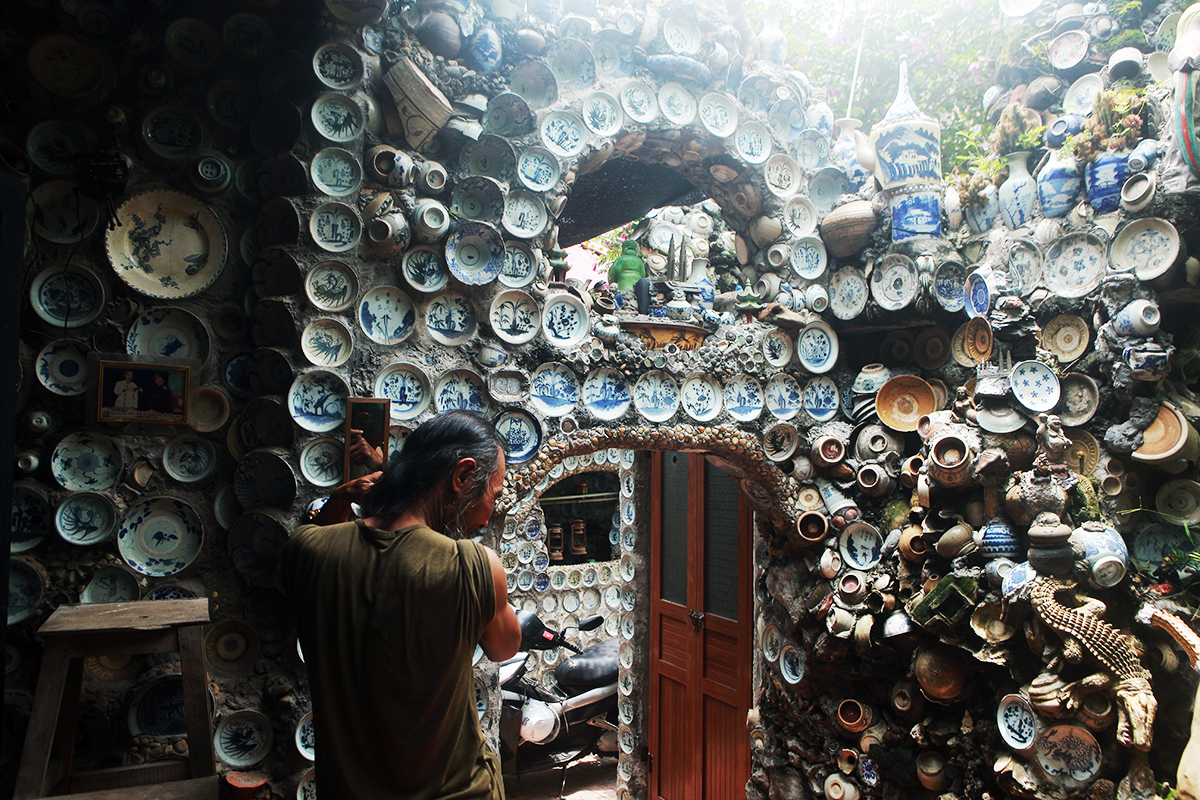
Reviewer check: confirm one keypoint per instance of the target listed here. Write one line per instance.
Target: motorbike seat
(594, 667)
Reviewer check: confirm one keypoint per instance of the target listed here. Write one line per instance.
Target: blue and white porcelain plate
(169, 333)
(554, 389)
(949, 285)
(477, 198)
(25, 589)
(780, 441)
(407, 387)
(423, 269)
(1075, 265)
(54, 144)
(538, 169)
(508, 113)
(111, 584)
(62, 368)
(563, 133)
(602, 114)
(386, 315)
(327, 342)
(86, 462)
(565, 320)
(321, 461)
(1016, 722)
(520, 265)
(791, 663)
(306, 737)
(336, 172)
(782, 175)
(820, 398)
(67, 297)
(460, 390)
(861, 546)
(977, 298)
(317, 401)
(786, 119)
(475, 253)
(338, 66)
(331, 286)
(817, 347)
(1035, 385)
(718, 114)
(800, 216)
(337, 117)
(521, 433)
(85, 518)
(702, 397)
(894, 282)
(677, 104)
(783, 396)
(656, 396)
(489, 156)
(160, 536)
(1068, 754)
(335, 227)
(572, 64)
(606, 394)
(243, 739)
(30, 518)
(752, 142)
(825, 187)
(848, 293)
(450, 319)
(809, 258)
(743, 396)
(189, 458)
(1149, 246)
(777, 347)
(515, 317)
(812, 149)
(639, 101)
(1024, 267)
(525, 215)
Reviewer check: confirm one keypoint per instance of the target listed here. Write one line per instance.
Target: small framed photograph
(367, 421)
(130, 391)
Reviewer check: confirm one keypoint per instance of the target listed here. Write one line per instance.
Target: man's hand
(361, 452)
(337, 507)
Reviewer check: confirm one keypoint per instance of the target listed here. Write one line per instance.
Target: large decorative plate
(820, 399)
(861, 546)
(676, 103)
(450, 319)
(817, 347)
(1066, 337)
(563, 133)
(800, 216)
(572, 64)
(554, 389)
(536, 85)
(321, 461)
(525, 215)
(602, 114)
(243, 739)
(331, 286)
(656, 396)
(336, 172)
(848, 293)
(809, 257)
(1080, 399)
(1075, 265)
(85, 518)
(337, 117)
(1068, 754)
(475, 253)
(25, 589)
(783, 395)
(515, 317)
(565, 320)
(606, 394)
(1034, 385)
(423, 269)
(30, 518)
(1081, 95)
(327, 342)
(160, 536)
(169, 333)
(949, 285)
(895, 282)
(812, 149)
(67, 296)
(521, 433)
(460, 390)
(189, 458)
(167, 245)
(903, 400)
(386, 315)
(338, 66)
(86, 462)
(1067, 49)
(317, 401)
(777, 347)
(520, 265)
(335, 227)
(538, 169)
(718, 114)
(743, 398)
(407, 387)
(1148, 246)
(702, 397)
(639, 101)
(62, 368)
(978, 340)
(752, 142)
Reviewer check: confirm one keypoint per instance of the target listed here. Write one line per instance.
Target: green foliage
(1133, 38)
(607, 246)
(1129, 15)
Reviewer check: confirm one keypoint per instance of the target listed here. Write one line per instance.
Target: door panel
(699, 632)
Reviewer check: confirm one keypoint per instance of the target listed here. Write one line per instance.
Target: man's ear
(462, 477)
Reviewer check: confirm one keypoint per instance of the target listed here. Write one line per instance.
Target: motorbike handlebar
(570, 647)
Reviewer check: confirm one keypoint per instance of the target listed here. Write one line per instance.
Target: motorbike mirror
(591, 623)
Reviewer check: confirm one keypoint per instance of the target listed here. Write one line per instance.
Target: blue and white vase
(1105, 551)
(1018, 194)
(1105, 177)
(997, 540)
(1143, 156)
(845, 154)
(908, 144)
(1058, 185)
(915, 212)
(819, 115)
(981, 219)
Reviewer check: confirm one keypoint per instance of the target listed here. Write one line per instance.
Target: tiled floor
(590, 779)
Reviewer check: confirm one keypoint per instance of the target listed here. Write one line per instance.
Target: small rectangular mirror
(366, 419)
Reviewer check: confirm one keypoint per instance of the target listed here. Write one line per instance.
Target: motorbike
(544, 727)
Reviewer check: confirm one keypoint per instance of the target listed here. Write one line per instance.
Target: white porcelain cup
(816, 298)
(430, 219)
(1139, 318)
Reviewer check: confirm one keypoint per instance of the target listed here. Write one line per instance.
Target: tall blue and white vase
(908, 144)
(1018, 194)
(981, 219)
(1058, 184)
(845, 153)
(1105, 176)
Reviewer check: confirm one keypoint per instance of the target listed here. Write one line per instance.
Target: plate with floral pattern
(702, 397)
(62, 368)
(1075, 265)
(783, 396)
(817, 347)
(554, 389)
(565, 320)
(450, 319)
(521, 433)
(160, 536)
(407, 386)
(515, 317)
(67, 296)
(606, 394)
(86, 462)
(460, 390)
(743, 397)
(656, 396)
(848, 293)
(337, 117)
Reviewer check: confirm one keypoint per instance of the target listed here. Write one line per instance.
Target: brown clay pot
(847, 229)
(940, 671)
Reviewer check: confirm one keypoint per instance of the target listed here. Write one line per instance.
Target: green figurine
(629, 268)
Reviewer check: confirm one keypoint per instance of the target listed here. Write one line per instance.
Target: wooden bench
(75, 632)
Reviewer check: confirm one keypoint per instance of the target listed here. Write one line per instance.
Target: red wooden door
(699, 632)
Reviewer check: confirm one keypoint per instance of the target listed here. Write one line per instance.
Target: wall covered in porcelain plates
(964, 415)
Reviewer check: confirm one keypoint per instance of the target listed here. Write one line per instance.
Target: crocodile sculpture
(1136, 705)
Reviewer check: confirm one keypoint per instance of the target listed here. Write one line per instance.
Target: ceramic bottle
(1105, 177)
(1018, 194)
(845, 153)
(1058, 185)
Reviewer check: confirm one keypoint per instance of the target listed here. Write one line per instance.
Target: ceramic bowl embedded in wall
(30, 518)
(111, 584)
(508, 115)
(338, 66)
(606, 394)
(752, 142)
(978, 340)
(521, 266)
(450, 319)
(86, 462)
(169, 333)
(777, 347)
(264, 479)
(85, 518)
(489, 156)
(335, 227)
(331, 286)
(1080, 399)
(949, 285)
(554, 389)
(902, 401)
(782, 175)
(189, 458)
(327, 342)
(317, 401)
(861, 546)
(538, 169)
(475, 253)
(1149, 247)
(602, 114)
(639, 101)
(812, 149)
(67, 297)
(521, 433)
(460, 390)
(336, 172)
(407, 386)
(808, 257)
(1080, 96)
(783, 396)
(53, 145)
(825, 187)
(718, 114)
(563, 133)
(208, 409)
(895, 282)
(26, 586)
(167, 245)
(60, 213)
(743, 398)
(515, 317)
(572, 64)
(160, 536)
(172, 132)
(62, 368)
(243, 739)
(386, 315)
(1034, 385)
(536, 85)
(677, 104)
(338, 117)
(477, 198)
(525, 215)
(820, 399)
(702, 397)
(817, 347)
(565, 320)
(1066, 336)
(255, 542)
(423, 269)
(306, 738)
(780, 441)
(1178, 501)
(1068, 754)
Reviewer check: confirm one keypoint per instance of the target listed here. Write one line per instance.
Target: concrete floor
(589, 779)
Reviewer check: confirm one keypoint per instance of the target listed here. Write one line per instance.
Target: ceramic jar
(874, 441)
(912, 544)
(875, 481)
(1061, 128)
(1105, 551)
(839, 787)
(379, 163)
(1105, 177)
(931, 771)
(998, 540)
(949, 460)
(816, 297)
(827, 451)
(853, 716)
(940, 671)
(846, 230)
(955, 538)
(981, 218)
(1058, 185)
(1144, 154)
(907, 143)
(1018, 194)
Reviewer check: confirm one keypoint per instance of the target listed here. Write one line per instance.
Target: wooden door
(700, 631)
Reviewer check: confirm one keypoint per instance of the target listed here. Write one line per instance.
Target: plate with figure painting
(743, 397)
(848, 292)
(386, 315)
(639, 101)
(565, 320)
(718, 114)
(817, 347)
(515, 317)
(702, 397)
(521, 433)
(820, 399)
(460, 390)
(656, 396)
(752, 142)
(783, 396)
(331, 286)
(160, 536)
(407, 386)
(525, 215)
(321, 461)
(450, 319)
(423, 269)
(606, 394)
(572, 64)
(782, 175)
(554, 389)
(949, 285)
(317, 401)
(67, 296)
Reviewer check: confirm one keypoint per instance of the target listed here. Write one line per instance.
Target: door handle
(697, 618)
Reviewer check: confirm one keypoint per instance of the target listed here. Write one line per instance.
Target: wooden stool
(73, 632)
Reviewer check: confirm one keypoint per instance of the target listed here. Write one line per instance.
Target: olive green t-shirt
(388, 621)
